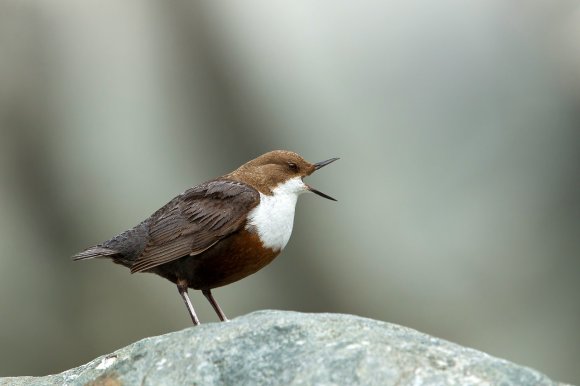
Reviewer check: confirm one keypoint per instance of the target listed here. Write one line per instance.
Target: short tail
(96, 251)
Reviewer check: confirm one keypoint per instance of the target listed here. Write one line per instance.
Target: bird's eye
(293, 166)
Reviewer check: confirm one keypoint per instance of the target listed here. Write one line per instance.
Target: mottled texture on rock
(289, 348)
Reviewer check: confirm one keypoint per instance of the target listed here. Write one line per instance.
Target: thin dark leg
(215, 305)
(182, 288)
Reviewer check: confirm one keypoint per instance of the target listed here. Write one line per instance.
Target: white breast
(273, 217)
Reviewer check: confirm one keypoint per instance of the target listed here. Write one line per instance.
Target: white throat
(273, 217)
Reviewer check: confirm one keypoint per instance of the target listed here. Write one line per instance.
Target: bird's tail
(96, 251)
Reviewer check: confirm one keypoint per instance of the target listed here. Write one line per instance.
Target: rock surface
(289, 348)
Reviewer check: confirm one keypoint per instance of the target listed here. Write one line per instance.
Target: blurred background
(457, 124)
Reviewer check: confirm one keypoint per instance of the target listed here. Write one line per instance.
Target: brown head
(274, 168)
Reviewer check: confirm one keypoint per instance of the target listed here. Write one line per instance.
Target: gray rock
(289, 348)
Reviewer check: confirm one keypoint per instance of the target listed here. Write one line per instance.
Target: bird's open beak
(317, 166)
(320, 164)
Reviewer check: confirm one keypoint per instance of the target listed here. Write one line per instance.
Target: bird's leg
(215, 305)
(182, 288)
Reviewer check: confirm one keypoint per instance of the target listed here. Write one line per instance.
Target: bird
(219, 231)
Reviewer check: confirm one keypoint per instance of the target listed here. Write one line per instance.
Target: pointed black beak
(321, 164)
(317, 166)
(320, 193)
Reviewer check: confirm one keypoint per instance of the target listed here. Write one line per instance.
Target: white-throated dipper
(220, 231)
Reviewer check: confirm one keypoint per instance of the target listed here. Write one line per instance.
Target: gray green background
(457, 124)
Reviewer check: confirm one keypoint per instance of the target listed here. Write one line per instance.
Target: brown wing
(194, 221)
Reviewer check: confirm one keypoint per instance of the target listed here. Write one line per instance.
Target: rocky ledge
(289, 348)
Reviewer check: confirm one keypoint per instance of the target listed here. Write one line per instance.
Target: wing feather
(195, 221)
